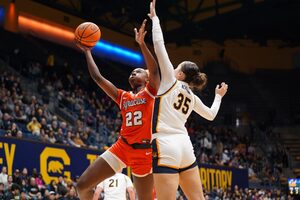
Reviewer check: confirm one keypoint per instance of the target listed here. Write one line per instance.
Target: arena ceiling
(185, 21)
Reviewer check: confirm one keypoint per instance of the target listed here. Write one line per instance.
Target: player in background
(133, 148)
(115, 188)
(174, 162)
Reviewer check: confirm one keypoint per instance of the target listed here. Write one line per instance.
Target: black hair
(193, 76)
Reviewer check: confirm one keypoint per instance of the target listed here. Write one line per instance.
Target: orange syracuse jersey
(136, 110)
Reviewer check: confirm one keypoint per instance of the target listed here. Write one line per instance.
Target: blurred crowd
(223, 146)
(24, 115)
(241, 194)
(23, 185)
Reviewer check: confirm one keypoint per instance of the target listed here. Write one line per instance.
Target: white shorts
(172, 153)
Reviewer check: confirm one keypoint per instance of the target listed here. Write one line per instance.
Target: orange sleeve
(120, 92)
(151, 89)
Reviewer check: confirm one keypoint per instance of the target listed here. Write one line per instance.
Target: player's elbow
(211, 117)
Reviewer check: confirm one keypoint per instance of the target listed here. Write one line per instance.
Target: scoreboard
(294, 186)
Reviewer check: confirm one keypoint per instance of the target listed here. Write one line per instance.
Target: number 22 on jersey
(134, 118)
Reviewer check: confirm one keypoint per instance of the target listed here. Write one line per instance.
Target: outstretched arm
(166, 67)
(154, 78)
(211, 113)
(109, 88)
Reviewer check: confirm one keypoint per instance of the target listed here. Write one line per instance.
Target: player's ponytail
(193, 76)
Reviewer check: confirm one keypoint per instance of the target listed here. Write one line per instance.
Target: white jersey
(114, 188)
(175, 101)
(173, 108)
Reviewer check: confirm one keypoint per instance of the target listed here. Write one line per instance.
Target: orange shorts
(140, 160)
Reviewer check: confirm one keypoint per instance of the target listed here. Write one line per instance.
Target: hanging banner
(222, 177)
(49, 159)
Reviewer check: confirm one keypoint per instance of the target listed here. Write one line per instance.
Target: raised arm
(154, 78)
(109, 88)
(211, 113)
(166, 67)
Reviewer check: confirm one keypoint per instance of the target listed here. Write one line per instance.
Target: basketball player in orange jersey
(133, 148)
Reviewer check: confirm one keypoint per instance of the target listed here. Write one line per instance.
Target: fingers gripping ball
(87, 34)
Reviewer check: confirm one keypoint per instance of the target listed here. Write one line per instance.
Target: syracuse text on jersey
(134, 102)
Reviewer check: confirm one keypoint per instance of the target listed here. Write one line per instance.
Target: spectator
(39, 115)
(219, 147)
(52, 186)
(52, 195)
(70, 139)
(17, 177)
(34, 173)
(24, 175)
(19, 134)
(46, 195)
(19, 115)
(13, 192)
(61, 186)
(77, 140)
(63, 126)
(24, 196)
(44, 125)
(34, 126)
(225, 157)
(3, 176)
(207, 143)
(2, 191)
(14, 130)
(72, 195)
(51, 138)
(251, 173)
(7, 121)
(33, 189)
(40, 183)
(60, 139)
(24, 186)
(9, 182)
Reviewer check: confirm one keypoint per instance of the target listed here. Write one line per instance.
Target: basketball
(87, 34)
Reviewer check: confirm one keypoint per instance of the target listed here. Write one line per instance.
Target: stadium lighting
(2, 15)
(65, 36)
(118, 53)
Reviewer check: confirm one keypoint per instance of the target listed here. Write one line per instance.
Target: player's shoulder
(127, 95)
(120, 176)
(181, 85)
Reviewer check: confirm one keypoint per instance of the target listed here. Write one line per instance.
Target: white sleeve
(166, 68)
(128, 182)
(206, 112)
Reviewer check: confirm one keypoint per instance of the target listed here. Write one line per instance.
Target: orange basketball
(87, 34)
